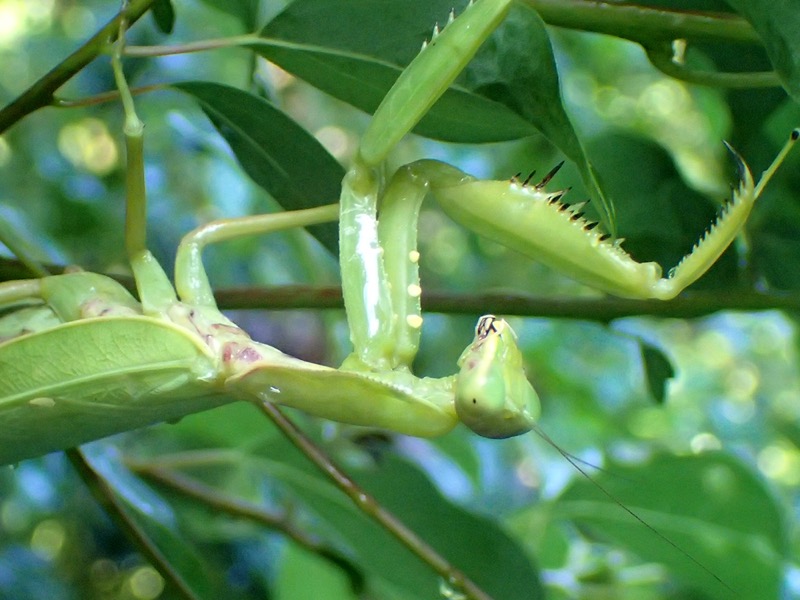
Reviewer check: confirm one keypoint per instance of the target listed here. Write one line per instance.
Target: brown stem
(214, 500)
(370, 506)
(602, 309)
(111, 503)
(42, 92)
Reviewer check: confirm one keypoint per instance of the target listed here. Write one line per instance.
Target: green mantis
(172, 352)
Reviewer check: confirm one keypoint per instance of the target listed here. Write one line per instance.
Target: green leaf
(304, 575)
(246, 11)
(276, 152)
(658, 371)
(710, 507)
(472, 543)
(333, 46)
(164, 15)
(777, 23)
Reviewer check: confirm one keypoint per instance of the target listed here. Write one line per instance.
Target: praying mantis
(197, 358)
(172, 352)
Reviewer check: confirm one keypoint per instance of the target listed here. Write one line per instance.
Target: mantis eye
(492, 395)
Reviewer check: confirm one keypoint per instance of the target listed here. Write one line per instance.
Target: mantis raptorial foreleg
(529, 219)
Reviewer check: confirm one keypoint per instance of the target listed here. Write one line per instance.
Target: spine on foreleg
(536, 223)
(429, 75)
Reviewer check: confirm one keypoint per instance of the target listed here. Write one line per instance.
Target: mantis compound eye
(493, 397)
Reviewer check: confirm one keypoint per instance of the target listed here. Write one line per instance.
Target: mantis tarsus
(196, 358)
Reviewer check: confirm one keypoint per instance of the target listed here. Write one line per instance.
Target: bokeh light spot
(146, 583)
(87, 144)
(48, 539)
(20, 17)
(5, 152)
(335, 140)
(76, 21)
(780, 462)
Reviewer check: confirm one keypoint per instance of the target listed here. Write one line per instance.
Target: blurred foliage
(713, 467)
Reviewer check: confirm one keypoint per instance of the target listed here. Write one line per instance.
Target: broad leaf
(472, 543)
(658, 371)
(276, 152)
(304, 575)
(777, 23)
(245, 11)
(164, 15)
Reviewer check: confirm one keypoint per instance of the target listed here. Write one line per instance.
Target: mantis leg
(429, 75)
(191, 280)
(29, 314)
(397, 231)
(155, 290)
(365, 283)
(536, 223)
(380, 270)
(15, 293)
(381, 298)
(71, 296)
(29, 319)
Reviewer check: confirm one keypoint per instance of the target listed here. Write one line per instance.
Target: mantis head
(493, 397)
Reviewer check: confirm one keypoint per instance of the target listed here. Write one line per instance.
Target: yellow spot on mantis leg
(414, 291)
(414, 321)
(413, 256)
(42, 402)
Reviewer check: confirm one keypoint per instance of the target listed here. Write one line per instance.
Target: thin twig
(110, 502)
(660, 56)
(216, 501)
(42, 92)
(110, 96)
(602, 309)
(370, 506)
(644, 24)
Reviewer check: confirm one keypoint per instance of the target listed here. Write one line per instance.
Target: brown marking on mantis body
(236, 352)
